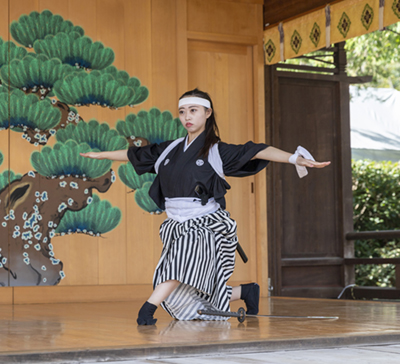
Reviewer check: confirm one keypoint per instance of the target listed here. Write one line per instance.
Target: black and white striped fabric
(199, 253)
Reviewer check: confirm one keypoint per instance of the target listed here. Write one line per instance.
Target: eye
(180, 112)
(193, 110)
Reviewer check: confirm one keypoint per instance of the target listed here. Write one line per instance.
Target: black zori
(146, 313)
(251, 297)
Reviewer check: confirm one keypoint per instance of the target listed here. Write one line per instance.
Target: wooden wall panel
(112, 247)
(222, 17)
(138, 46)
(223, 71)
(19, 149)
(142, 241)
(4, 29)
(69, 294)
(164, 54)
(150, 41)
(260, 179)
(5, 297)
(56, 7)
(164, 81)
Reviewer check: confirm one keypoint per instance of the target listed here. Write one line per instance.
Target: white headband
(195, 101)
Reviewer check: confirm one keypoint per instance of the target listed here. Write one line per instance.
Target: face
(194, 117)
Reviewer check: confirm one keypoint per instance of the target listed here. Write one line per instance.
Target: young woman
(199, 237)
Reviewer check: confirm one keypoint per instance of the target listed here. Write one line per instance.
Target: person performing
(199, 237)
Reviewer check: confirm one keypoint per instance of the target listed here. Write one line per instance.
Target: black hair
(211, 129)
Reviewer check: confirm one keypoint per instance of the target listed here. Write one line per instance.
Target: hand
(93, 155)
(309, 163)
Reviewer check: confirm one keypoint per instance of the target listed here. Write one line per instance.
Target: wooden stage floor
(108, 331)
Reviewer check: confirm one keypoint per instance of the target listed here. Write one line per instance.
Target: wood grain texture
(311, 215)
(225, 71)
(95, 293)
(70, 328)
(261, 178)
(4, 149)
(6, 295)
(276, 11)
(160, 42)
(211, 17)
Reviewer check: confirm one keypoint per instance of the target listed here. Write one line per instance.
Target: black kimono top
(181, 171)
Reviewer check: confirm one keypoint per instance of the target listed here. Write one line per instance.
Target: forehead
(189, 106)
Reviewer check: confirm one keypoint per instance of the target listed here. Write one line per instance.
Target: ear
(208, 113)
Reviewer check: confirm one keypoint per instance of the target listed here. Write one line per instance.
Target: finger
(319, 164)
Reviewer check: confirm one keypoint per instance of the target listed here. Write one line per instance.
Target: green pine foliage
(34, 26)
(154, 125)
(141, 92)
(376, 194)
(98, 218)
(98, 136)
(75, 50)
(130, 178)
(144, 201)
(10, 51)
(95, 88)
(21, 111)
(1, 158)
(35, 73)
(7, 177)
(64, 159)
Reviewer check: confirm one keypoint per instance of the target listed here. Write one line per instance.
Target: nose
(187, 116)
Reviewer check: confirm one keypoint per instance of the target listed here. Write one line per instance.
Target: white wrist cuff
(303, 152)
(293, 158)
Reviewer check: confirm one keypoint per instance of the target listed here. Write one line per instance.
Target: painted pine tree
(145, 128)
(50, 70)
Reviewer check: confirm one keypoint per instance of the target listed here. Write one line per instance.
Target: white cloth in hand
(303, 152)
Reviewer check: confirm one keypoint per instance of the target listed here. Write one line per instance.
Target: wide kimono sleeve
(237, 159)
(144, 158)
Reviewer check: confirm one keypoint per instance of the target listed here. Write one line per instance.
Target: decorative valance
(321, 28)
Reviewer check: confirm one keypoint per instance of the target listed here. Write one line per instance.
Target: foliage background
(376, 193)
(376, 54)
(376, 186)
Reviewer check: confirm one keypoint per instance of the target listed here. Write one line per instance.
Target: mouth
(188, 125)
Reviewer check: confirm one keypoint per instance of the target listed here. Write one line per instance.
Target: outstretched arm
(118, 155)
(276, 155)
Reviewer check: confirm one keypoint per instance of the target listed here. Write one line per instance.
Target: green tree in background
(376, 186)
(375, 54)
(376, 193)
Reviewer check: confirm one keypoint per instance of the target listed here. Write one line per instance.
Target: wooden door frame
(274, 199)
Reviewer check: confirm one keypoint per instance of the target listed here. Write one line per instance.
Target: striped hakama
(199, 240)
(199, 253)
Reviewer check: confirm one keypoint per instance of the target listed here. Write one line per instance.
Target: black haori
(199, 253)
